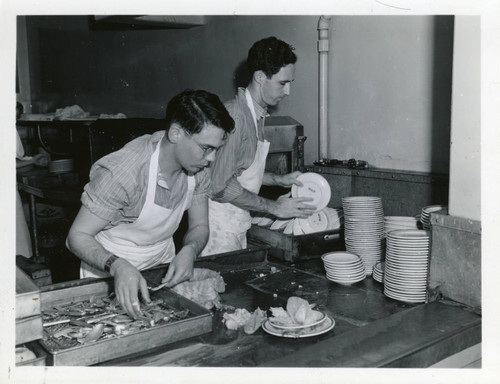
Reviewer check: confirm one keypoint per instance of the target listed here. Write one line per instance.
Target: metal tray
(27, 296)
(39, 360)
(292, 248)
(199, 321)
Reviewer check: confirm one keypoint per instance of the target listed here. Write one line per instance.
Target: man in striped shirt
(239, 168)
(136, 197)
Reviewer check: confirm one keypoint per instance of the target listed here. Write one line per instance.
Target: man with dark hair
(239, 168)
(136, 197)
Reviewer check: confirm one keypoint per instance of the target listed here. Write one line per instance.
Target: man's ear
(175, 132)
(259, 77)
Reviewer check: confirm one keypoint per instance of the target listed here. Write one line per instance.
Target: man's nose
(286, 89)
(211, 156)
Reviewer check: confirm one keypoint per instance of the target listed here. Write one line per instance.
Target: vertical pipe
(323, 27)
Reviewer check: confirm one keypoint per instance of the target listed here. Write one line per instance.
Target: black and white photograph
(237, 192)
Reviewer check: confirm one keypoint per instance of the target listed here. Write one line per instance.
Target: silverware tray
(198, 321)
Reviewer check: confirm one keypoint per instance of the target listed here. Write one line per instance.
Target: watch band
(109, 262)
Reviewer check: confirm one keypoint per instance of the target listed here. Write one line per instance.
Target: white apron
(147, 241)
(228, 223)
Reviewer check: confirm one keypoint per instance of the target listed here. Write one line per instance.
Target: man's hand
(289, 207)
(181, 267)
(128, 282)
(41, 159)
(288, 180)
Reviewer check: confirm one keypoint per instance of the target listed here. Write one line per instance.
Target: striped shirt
(118, 183)
(238, 152)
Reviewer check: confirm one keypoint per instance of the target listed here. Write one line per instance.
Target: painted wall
(390, 91)
(465, 170)
(389, 85)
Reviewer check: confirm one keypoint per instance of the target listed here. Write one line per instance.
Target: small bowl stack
(343, 267)
(378, 271)
(425, 216)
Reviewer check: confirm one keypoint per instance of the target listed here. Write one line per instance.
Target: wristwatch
(109, 262)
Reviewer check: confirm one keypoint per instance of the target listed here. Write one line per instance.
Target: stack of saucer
(407, 265)
(343, 267)
(392, 223)
(364, 228)
(425, 216)
(378, 271)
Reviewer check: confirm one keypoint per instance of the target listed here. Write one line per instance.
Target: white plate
(343, 268)
(317, 222)
(314, 186)
(410, 234)
(279, 224)
(315, 330)
(256, 219)
(296, 326)
(340, 257)
(405, 298)
(289, 228)
(265, 222)
(349, 277)
(297, 230)
(346, 281)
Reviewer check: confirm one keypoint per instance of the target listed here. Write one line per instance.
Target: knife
(154, 286)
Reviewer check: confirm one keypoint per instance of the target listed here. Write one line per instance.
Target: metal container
(199, 321)
(28, 314)
(39, 360)
(291, 247)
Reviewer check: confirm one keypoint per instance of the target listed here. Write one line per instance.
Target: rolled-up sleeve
(202, 187)
(112, 186)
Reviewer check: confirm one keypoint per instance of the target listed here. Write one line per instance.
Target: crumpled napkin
(203, 288)
(72, 112)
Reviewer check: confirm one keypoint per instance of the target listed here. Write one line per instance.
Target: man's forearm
(88, 249)
(269, 179)
(252, 202)
(197, 237)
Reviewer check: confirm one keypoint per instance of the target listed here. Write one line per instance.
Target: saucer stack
(425, 216)
(343, 267)
(364, 228)
(407, 265)
(379, 271)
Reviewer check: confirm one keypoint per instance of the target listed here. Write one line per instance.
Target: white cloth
(147, 241)
(228, 223)
(23, 237)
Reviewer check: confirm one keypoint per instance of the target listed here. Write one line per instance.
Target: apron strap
(252, 111)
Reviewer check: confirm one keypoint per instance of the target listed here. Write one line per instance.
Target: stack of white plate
(392, 223)
(343, 267)
(407, 265)
(378, 271)
(364, 228)
(425, 216)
